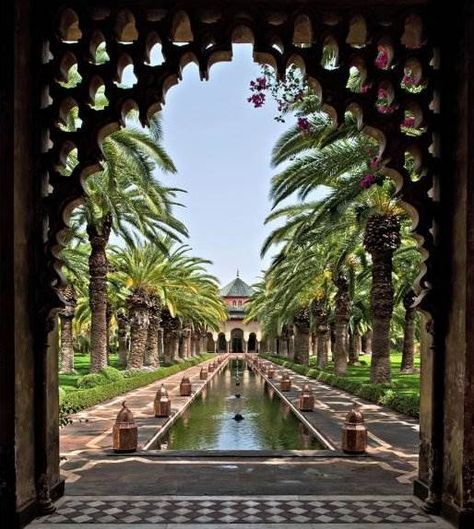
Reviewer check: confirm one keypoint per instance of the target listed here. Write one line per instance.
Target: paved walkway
(186, 490)
(91, 429)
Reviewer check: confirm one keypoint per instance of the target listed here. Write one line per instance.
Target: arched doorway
(252, 344)
(237, 341)
(221, 343)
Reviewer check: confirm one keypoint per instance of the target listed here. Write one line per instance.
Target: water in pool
(209, 423)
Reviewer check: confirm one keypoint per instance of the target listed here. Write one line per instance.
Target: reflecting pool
(210, 422)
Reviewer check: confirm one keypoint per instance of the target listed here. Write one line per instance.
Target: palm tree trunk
(323, 343)
(175, 345)
(151, 350)
(355, 347)
(367, 342)
(302, 336)
(108, 317)
(382, 307)
(341, 321)
(98, 267)
(66, 317)
(291, 343)
(186, 334)
(204, 342)
(122, 331)
(168, 346)
(408, 351)
(381, 239)
(139, 316)
(67, 351)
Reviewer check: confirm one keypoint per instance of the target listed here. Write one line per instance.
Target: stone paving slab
(91, 429)
(401, 511)
(151, 476)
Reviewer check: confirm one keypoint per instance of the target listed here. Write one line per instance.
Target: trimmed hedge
(85, 398)
(380, 394)
(104, 376)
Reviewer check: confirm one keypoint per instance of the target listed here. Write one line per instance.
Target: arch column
(215, 342)
(246, 335)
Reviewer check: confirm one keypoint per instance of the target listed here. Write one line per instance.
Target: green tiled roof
(237, 288)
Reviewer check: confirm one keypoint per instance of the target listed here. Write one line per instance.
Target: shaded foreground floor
(233, 490)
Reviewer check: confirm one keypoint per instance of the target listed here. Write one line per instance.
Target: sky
(221, 146)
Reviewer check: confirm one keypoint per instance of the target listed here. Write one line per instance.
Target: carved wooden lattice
(350, 57)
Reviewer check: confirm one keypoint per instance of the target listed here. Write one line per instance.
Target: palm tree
(406, 266)
(341, 159)
(66, 315)
(124, 198)
(74, 258)
(159, 276)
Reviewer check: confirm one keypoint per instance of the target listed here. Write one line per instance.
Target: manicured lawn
(82, 364)
(403, 384)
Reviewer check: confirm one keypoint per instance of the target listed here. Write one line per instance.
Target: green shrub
(91, 380)
(111, 373)
(90, 396)
(62, 393)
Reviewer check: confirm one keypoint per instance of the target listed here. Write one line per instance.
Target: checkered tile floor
(231, 510)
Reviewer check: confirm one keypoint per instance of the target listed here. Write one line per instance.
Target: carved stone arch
(206, 38)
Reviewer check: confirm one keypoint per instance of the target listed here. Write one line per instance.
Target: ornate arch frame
(282, 33)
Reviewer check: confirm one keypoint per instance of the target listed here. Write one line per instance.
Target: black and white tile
(369, 510)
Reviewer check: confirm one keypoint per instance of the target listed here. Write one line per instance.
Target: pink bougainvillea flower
(409, 122)
(382, 59)
(374, 163)
(408, 80)
(368, 181)
(261, 83)
(257, 99)
(304, 124)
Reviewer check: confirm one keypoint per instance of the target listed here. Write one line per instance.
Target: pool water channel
(209, 423)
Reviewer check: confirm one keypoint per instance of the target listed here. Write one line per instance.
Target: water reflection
(208, 424)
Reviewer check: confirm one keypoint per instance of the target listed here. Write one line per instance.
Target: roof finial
(238, 273)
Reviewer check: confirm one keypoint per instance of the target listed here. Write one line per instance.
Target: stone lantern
(203, 373)
(354, 432)
(285, 382)
(185, 387)
(306, 400)
(125, 432)
(211, 367)
(270, 372)
(162, 403)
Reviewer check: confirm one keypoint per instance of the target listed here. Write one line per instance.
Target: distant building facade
(236, 336)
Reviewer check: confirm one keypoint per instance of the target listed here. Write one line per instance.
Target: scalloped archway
(356, 39)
